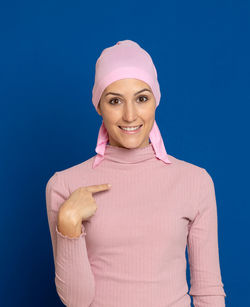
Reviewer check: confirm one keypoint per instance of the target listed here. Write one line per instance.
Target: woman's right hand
(78, 207)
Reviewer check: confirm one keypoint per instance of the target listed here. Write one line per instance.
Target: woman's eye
(113, 100)
(143, 97)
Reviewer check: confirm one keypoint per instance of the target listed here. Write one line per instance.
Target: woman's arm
(207, 288)
(74, 279)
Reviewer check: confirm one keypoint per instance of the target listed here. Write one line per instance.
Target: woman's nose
(129, 112)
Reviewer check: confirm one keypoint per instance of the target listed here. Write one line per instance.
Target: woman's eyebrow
(112, 93)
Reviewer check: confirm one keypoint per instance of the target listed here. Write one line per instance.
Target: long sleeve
(74, 279)
(207, 288)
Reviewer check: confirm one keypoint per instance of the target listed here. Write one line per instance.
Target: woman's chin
(132, 143)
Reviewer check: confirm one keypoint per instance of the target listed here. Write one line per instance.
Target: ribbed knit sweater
(131, 252)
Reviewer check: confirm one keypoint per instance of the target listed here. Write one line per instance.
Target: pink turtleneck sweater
(131, 253)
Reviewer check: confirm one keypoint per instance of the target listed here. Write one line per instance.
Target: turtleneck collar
(129, 155)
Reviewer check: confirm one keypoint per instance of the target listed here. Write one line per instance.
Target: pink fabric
(126, 59)
(131, 252)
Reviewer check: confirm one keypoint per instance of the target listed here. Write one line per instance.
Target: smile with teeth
(130, 128)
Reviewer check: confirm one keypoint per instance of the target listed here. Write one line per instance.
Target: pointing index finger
(98, 187)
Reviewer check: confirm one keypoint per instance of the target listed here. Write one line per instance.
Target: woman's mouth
(130, 130)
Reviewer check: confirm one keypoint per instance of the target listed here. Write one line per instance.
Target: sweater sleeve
(206, 288)
(74, 279)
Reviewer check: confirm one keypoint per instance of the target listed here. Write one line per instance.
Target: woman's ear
(99, 108)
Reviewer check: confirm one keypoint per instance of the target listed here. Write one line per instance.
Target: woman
(124, 245)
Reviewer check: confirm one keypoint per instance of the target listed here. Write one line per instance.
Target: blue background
(48, 123)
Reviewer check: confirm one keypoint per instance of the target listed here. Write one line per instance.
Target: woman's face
(128, 103)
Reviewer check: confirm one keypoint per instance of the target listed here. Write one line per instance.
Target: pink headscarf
(126, 59)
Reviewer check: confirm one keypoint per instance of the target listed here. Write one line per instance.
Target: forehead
(127, 83)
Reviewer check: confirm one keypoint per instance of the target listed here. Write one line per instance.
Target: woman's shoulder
(185, 166)
(77, 170)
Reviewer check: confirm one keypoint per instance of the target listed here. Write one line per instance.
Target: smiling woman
(125, 245)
